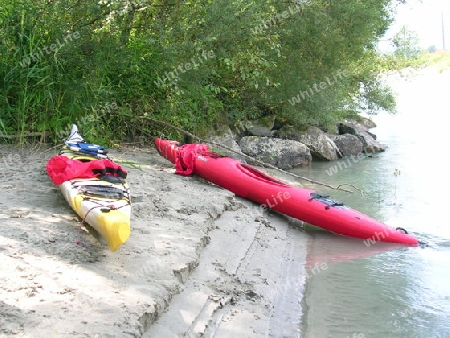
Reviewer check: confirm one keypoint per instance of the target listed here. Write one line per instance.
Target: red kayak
(303, 204)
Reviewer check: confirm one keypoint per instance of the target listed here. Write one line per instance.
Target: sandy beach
(199, 262)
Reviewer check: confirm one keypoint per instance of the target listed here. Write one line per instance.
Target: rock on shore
(287, 147)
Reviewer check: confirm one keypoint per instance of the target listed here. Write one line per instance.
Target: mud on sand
(199, 262)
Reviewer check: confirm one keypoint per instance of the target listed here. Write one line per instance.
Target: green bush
(115, 61)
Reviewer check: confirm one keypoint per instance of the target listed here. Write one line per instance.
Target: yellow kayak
(102, 201)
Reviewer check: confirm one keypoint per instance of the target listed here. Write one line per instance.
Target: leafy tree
(406, 42)
(196, 64)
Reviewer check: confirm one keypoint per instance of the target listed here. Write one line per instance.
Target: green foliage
(330, 38)
(406, 43)
(198, 65)
(439, 59)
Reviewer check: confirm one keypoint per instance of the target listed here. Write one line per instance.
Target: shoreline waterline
(399, 291)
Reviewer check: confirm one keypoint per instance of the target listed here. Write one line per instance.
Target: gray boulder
(261, 127)
(371, 145)
(228, 139)
(284, 154)
(352, 127)
(320, 144)
(348, 144)
(368, 123)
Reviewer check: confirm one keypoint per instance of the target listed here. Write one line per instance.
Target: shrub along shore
(104, 64)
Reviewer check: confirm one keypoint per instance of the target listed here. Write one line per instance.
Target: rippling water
(386, 290)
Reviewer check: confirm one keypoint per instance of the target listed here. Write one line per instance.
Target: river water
(354, 290)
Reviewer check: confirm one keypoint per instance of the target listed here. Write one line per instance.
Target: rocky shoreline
(288, 148)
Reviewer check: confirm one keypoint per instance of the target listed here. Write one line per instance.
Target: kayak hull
(110, 218)
(303, 204)
(103, 203)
